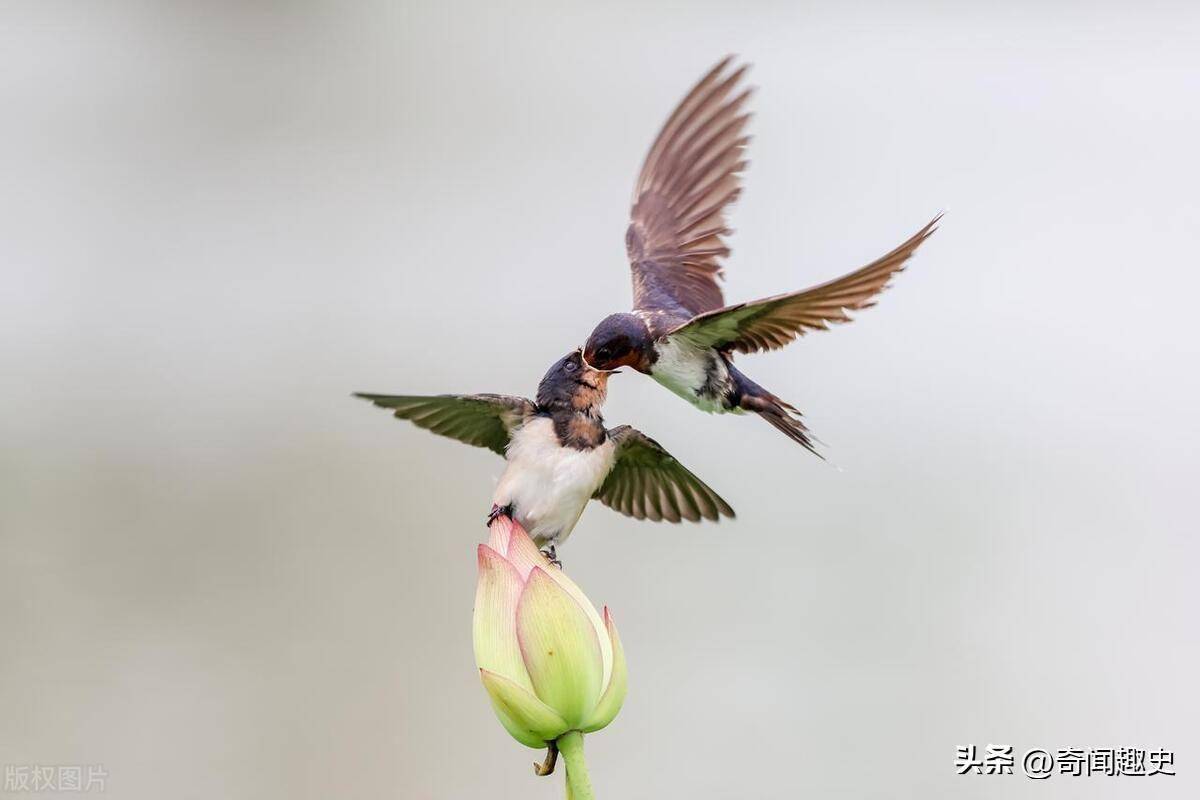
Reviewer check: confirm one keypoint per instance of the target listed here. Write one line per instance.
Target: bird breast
(548, 484)
(697, 374)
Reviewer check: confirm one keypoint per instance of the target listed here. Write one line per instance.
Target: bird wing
(484, 420)
(678, 218)
(773, 322)
(647, 482)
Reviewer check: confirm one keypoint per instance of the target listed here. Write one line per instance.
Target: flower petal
(494, 626)
(614, 695)
(571, 588)
(499, 533)
(523, 553)
(560, 648)
(530, 721)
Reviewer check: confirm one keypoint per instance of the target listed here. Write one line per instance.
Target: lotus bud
(550, 663)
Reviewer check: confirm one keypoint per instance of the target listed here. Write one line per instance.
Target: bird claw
(552, 556)
(497, 512)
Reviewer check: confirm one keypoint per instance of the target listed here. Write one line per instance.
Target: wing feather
(483, 420)
(691, 174)
(646, 482)
(773, 322)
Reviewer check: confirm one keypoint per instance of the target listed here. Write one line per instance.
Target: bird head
(570, 384)
(620, 340)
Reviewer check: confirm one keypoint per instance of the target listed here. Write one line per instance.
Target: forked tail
(782, 415)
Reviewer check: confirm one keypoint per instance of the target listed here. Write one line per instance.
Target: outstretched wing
(484, 420)
(775, 321)
(646, 482)
(690, 175)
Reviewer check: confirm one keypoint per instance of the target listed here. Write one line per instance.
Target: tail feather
(784, 422)
(782, 416)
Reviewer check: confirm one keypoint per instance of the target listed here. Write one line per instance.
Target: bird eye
(569, 366)
(604, 353)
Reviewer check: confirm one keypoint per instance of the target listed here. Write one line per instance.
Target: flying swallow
(560, 455)
(681, 332)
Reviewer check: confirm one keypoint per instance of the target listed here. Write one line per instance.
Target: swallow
(680, 332)
(559, 454)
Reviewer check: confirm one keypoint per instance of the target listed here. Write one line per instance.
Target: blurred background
(221, 576)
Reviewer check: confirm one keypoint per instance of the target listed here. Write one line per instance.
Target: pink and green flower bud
(549, 661)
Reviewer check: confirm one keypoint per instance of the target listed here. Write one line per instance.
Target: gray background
(222, 577)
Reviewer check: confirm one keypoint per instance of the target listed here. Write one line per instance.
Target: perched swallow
(560, 455)
(681, 333)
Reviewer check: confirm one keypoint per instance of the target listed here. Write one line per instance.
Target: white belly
(692, 373)
(547, 484)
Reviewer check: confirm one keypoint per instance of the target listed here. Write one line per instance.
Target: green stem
(579, 785)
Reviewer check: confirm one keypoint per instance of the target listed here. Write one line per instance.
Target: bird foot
(497, 512)
(552, 556)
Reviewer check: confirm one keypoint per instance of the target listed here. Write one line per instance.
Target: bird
(680, 332)
(559, 454)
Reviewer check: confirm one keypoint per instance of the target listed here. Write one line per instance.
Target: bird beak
(597, 369)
